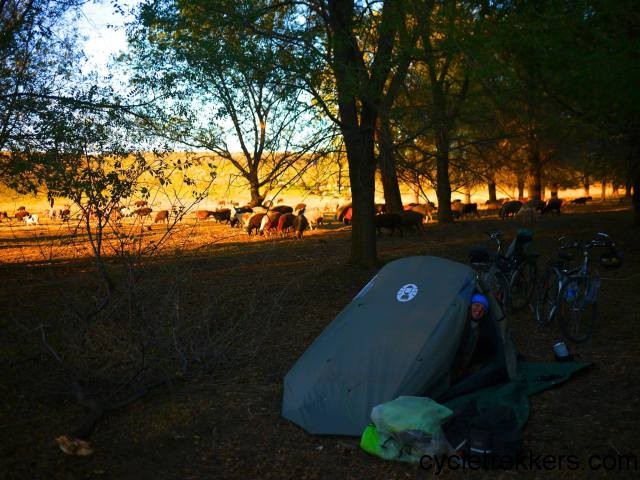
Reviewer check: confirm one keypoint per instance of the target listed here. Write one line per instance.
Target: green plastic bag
(406, 428)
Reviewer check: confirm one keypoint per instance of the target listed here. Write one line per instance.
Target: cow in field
(343, 211)
(282, 209)
(460, 210)
(269, 223)
(388, 221)
(141, 203)
(412, 220)
(528, 210)
(553, 205)
(254, 223)
(162, 216)
(222, 215)
(285, 223)
(238, 217)
(315, 217)
(202, 214)
(537, 204)
(348, 216)
(510, 209)
(241, 217)
(31, 219)
(244, 209)
(493, 207)
(581, 200)
(3, 215)
(21, 214)
(143, 212)
(425, 209)
(470, 209)
(300, 224)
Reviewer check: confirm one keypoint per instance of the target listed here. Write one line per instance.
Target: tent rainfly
(398, 336)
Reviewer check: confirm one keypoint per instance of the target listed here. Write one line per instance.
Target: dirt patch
(283, 292)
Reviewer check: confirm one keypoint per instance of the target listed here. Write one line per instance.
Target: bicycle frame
(575, 301)
(508, 262)
(502, 269)
(568, 275)
(492, 277)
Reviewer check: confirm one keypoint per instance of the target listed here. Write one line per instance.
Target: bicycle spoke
(547, 297)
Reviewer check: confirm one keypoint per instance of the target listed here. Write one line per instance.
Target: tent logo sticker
(407, 293)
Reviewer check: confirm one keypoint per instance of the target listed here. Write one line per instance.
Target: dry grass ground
(282, 293)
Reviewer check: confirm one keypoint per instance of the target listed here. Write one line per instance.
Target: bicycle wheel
(497, 285)
(547, 296)
(523, 284)
(577, 314)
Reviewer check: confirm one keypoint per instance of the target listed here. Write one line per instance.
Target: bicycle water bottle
(572, 292)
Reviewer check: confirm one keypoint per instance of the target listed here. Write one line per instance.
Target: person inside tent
(477, 311)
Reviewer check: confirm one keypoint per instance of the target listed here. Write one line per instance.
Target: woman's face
(477, 311)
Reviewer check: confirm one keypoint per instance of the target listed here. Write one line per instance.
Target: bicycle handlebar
(601, 240)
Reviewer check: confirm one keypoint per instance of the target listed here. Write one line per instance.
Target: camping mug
(561, 351)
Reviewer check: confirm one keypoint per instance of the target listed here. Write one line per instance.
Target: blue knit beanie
(481, 299)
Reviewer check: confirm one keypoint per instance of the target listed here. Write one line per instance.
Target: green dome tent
(398, 336)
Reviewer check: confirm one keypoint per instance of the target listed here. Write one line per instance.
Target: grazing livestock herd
(285, 221)
(516, 208)
(279, 220)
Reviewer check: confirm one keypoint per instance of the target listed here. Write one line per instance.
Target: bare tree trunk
(441, 131)
(446, 104)
(387, 164)
(554, 190)
(603, 191)
(535, 165)
(530, 189)
(493, 197)
(443, 189)
(585, 184)
(362, 169)
(360, 96)
(520, 186)
(254, 187)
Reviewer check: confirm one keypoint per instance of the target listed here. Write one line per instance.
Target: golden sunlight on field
(54, 240)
